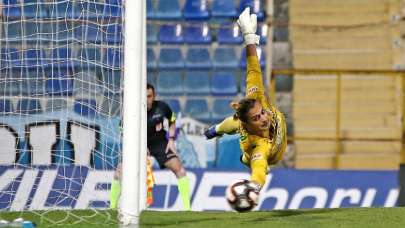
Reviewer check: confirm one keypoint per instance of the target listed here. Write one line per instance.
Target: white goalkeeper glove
(248, 25)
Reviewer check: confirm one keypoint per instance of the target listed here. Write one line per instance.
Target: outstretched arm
(227, 126)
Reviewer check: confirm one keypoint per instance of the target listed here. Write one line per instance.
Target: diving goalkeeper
(261, 126)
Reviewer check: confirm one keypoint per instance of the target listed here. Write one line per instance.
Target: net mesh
(60, 103)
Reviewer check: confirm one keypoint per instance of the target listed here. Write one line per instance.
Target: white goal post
(133, 196)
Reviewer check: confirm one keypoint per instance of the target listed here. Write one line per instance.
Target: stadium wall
(44, 187)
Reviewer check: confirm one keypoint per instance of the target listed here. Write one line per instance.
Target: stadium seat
(224, 84)
(196, 10)
(11, 10)
(33, 83)
(59, 86)
(62, 31)
(260, 53)
(91, 10)
(6, 106)
(27, 106)
(170, 58)
(12, 31)
(112, 80)
(151, 59)
(88, 33)
(152, 33)
(85, 107)
(151, 77)
(34, 58)
(150, 10)
(229, 33)
(225, 58)
(169, 83)
(168, 10)
(221, 109)
(197, 34)
(35, 33)
(56, 104)
(11, 86)
(62, 9)
(223, 9)
(197, 109)
(10, 58)
(113, 9)
(86, 84)
(34, 9)
(197, 83)
(174, 104)
(284, 83)
(198, 58)
(171, 34)
(111, 106)
(113, 34)
(61, 58)
(89, 58)
(256, 7)
(112, 58)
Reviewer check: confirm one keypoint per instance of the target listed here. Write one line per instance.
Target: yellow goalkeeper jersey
(258, 152)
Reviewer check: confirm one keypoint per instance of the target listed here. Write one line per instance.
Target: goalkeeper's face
(258, 118)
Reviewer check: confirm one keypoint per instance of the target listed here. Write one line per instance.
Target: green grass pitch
(342, 217)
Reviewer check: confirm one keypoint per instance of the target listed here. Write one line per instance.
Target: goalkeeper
(261, 126)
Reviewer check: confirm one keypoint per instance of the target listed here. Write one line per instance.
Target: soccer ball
(240, 196)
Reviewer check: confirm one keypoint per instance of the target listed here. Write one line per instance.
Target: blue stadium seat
(34, 58)
(198, 58)
(113, 34)
(197, 109)
(151, 59)
(229, 33)
(113, 9)
(171, 34)
(221, 109)
(197, 83)
(11, 86)
(12, 31)
(225, 58)
(88, 33)
(169, 83)
(10, 58)
(151, 77)
(260, 53)
(170, 58)
(58, 86)
(62, 9)
(223, 9)
(89, 58)
(6, 106)
(174, 104)
(85, 107)
(152, 33)
(256, 6)
(196, 10)
(113, 58)
(168, 10)
(61, 58)
(90, 10)
(34, 9)
(62, 31)
(34, 32)
(150, 10)
(27, 106)
(224, 84)
(197, 34)
(33, 87)
(112, 79)
(11, 10)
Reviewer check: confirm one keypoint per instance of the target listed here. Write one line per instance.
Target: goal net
(61, 99)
